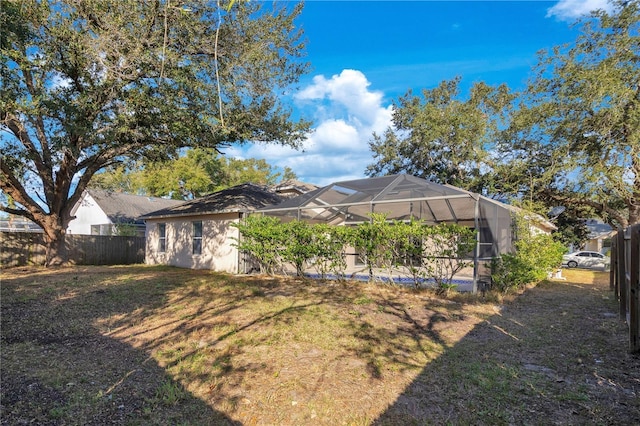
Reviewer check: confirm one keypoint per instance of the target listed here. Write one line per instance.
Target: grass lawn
(158, 345)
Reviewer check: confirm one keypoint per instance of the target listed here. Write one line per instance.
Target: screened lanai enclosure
(406, 198)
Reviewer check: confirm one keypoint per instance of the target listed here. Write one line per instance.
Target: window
(162, 237)
(197, 237)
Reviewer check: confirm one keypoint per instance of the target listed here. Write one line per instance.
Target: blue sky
(365, 54)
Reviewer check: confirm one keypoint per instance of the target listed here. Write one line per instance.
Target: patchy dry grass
(157, 345)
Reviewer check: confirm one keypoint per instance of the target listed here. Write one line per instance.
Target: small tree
(299, 245)
(446, 247)
(330, 242)
(263, 238)
(408, 249)
(371, 239)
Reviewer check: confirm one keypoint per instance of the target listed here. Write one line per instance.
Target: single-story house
(102, 212)
(198, 233)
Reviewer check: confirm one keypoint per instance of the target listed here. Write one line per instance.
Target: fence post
(613, 264)
(621, 281)
(634, 289)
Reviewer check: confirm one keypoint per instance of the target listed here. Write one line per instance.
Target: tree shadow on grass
(556, 355)
(59, 368)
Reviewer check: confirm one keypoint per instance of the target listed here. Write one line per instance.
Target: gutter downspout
(242, 264)
(476, 251)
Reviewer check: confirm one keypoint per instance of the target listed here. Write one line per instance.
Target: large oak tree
(88, 84)
(572, 138)
(575, 138)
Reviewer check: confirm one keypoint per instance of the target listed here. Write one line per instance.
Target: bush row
(426, 254)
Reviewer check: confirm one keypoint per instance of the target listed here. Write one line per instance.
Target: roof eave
(213, 212)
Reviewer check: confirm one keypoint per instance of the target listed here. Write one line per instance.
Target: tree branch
(18, 129)
(11, 186)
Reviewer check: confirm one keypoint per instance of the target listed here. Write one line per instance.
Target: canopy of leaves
(575, 136)
(442, 137)
(195, 174)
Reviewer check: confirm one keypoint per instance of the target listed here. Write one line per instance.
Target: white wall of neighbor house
(87, 213)
(218, 237)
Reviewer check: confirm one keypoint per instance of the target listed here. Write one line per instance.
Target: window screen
(197, 237)
(162, 237)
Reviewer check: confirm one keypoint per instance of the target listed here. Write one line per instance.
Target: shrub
(447, 246)
(534, 257)
(330, 243)
(300, 244)
(262, 237)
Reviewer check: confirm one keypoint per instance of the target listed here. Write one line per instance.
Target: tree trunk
(56, 250)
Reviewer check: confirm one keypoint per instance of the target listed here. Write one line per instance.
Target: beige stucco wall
(218, 253)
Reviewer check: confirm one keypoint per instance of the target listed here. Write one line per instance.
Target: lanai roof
(400, 196)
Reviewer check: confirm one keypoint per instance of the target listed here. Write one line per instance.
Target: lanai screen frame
(493, 220)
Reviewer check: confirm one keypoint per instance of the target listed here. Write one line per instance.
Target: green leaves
(571, 138)
(431, 254)
(263, 238)
(535, 255)
(196, 173)
(440, 136)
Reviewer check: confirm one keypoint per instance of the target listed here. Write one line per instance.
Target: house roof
(121, 207)
(239, 198)
(598, 229)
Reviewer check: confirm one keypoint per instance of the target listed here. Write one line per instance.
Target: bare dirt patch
(155, 345)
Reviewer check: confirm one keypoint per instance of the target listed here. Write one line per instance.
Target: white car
(585, 259)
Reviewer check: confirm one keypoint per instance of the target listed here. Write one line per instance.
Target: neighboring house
(101, 212)
(292, 188)
(198, 234)
(600, 234)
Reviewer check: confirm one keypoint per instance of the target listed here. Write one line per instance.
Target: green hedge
(433, 253)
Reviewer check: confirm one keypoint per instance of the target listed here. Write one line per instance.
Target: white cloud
(346, 113)
(568, 10)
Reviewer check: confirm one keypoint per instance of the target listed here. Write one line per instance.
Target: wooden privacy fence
(625, 280)
(27, 248)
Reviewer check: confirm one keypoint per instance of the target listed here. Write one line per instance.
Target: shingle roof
(239, 198)
(121, 207)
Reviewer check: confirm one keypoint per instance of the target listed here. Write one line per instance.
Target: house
(600, 235)
(102, 212)
(198, 234)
